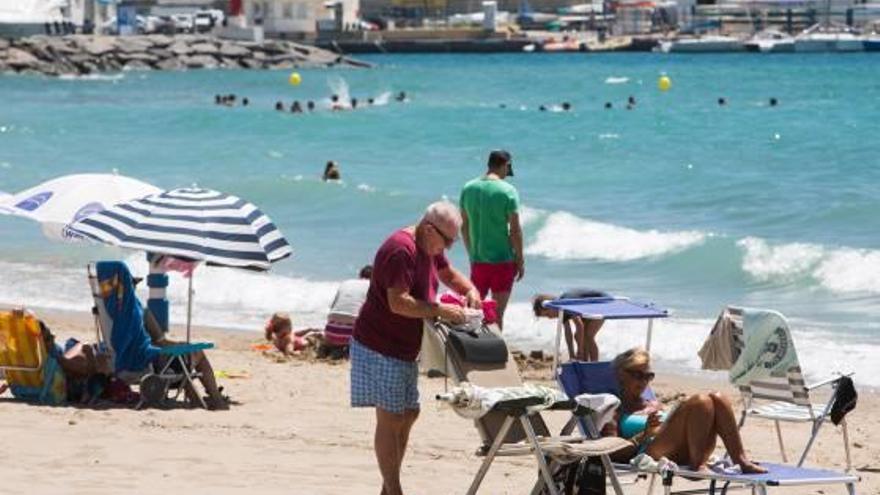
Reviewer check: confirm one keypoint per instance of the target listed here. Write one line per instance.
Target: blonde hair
(630, 359)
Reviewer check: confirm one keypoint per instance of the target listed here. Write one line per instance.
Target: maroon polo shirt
(398, 264)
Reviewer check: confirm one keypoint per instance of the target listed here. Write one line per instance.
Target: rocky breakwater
(80, 55)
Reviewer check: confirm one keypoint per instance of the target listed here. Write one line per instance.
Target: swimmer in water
(331, 171)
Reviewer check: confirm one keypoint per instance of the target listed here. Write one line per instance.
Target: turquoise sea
(679, 201)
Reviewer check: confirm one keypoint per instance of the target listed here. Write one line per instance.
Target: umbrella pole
(189, 307)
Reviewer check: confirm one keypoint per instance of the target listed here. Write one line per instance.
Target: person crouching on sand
(279, 331)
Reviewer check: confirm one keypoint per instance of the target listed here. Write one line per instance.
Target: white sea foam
(92, 77)
(616, 80)
(382, 99)
(765, 262)
(609, 135)
(366, 188)
(224, 297)
(842, 270)
(566, 236)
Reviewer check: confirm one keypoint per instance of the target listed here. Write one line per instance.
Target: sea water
(679, 201)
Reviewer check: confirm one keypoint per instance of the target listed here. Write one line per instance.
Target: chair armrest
(183, 349)
(829, 381)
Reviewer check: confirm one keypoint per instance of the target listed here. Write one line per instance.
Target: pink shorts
(497, 277)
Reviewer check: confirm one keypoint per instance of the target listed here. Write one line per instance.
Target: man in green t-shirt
(491, 231)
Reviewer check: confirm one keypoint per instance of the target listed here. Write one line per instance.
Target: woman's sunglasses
(642, 375)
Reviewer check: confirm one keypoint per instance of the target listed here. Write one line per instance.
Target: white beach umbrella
(61, 201)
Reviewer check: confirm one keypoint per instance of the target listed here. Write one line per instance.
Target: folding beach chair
(159, 372)
(784, 396)
(509, 428)
(32, 372)
(583, 377)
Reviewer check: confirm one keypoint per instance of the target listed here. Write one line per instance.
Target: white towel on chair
(601, 406)
(769, 348)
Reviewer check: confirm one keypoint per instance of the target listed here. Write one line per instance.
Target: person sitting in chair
(686, 436)
(199, 362)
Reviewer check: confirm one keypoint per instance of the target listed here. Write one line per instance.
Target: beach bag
(480, 346)
(585, 477)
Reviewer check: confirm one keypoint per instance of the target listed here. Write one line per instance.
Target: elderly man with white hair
(388, 331)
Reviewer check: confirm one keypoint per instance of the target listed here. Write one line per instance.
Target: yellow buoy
(664, 83)
(294, 79)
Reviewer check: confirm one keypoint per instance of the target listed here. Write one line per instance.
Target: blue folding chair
(158, 371)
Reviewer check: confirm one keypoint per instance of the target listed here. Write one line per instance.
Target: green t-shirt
(488, 204)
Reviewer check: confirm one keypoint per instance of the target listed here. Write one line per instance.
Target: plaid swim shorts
(381, 381)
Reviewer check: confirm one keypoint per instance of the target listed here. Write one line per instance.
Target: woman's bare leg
(725, 425)
(688, 436)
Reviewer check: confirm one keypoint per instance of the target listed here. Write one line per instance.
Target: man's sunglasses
(642, 375)
(448, 241)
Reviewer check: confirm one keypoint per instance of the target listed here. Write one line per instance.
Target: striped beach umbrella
(191, 223)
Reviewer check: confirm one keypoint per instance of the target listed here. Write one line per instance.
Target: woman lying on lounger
(686, 435)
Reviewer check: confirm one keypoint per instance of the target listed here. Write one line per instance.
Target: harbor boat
(770, 41)
(704, 44)
(872, 42)
(828, 38)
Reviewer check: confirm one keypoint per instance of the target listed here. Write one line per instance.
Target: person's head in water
(631, 100)
(244, 102)
(566, 106)
(370, 101)
(502, 105)
(231, 98)
(722, 101)
(310, 105)
(354, 103)
(773, 102)
(331, 171)
(607, 105)
(500, 163)
(334, 98)
(542, 108)
(366, 272)
(295, 107)
(218, 99)
(279, 106)
(401, 96)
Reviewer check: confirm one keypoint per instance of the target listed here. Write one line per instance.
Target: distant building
(298, 19)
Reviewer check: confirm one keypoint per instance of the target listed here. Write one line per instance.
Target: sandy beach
(292, 431)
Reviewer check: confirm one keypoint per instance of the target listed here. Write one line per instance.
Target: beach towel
(720, 349)
(129, 338)
(471, 401)
(768, 347)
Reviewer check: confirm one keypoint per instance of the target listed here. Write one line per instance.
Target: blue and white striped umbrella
(199, 224)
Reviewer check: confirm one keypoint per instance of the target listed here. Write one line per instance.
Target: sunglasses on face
(448, 241)
(642, 375)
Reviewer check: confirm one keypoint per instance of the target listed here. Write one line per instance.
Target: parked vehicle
(203, 22)
(183, 23)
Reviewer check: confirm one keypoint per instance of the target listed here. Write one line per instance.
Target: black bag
(478, 346)
(585, 477)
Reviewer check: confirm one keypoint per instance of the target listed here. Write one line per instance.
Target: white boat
(770, 41)
(828, 38)
(713, 43)
(21, 18)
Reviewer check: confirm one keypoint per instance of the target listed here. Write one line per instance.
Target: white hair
(443, 213)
